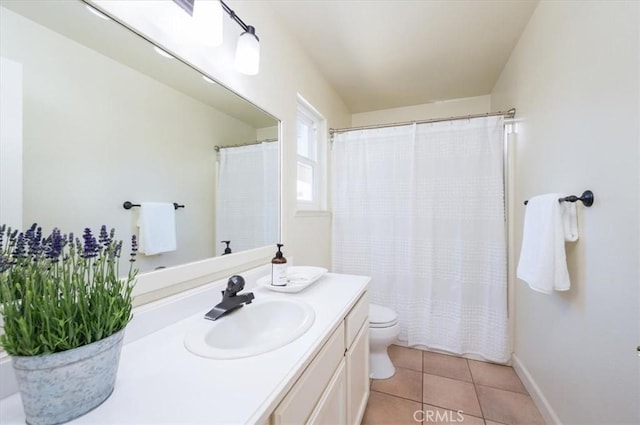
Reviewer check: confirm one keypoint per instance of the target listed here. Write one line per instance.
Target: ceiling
(387, 54)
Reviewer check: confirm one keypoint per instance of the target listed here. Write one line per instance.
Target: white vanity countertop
(160, 382)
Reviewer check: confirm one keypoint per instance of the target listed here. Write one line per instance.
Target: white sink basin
(251, 330)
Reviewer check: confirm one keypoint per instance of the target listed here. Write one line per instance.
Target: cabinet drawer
(298, 404)
(357, 316)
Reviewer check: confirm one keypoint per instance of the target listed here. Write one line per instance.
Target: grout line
(503, 389)
(396, 396)
(429, 404)
(422, 379)
(475, 390)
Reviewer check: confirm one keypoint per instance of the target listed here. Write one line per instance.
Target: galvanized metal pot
(56, 388)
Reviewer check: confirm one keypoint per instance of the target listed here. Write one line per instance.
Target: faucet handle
(234, 285)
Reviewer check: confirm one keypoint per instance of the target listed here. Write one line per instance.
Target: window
(311, 157)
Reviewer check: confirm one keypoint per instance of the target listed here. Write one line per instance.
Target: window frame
(319, 165)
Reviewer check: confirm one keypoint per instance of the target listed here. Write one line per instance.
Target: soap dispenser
(279, 268)
(227, 250)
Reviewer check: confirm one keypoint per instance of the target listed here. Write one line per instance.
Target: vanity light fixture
(206, 29)
(97, 13)
(248, 48)
(248, 52)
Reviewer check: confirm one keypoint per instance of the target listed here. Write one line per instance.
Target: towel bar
(587, 198)
(127, 205)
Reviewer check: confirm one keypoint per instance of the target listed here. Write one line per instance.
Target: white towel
(543, 261)
(157, 227)
(570, 221)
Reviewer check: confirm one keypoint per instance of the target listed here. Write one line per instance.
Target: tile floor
(432, 388)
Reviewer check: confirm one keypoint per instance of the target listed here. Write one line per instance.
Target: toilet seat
(381, 316)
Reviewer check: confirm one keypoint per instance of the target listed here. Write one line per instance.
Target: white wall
(574, 79)
(285, 71)
(79, 167)
(267, 133)
(444, 109)
(11, 143)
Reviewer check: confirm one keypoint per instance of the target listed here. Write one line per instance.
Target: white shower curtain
(247, 197)
(420, 209)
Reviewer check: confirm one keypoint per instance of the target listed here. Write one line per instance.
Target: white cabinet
(331, 408)
(357, 363)
(297, 406)
(334, 388)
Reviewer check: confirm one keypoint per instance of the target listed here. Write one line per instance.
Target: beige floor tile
(451, 394)
(408, 358)
(492, 422)
(497, 376)
(405, 383)
(508, 407)
(383, 409)
(445, 365)
(439, 416)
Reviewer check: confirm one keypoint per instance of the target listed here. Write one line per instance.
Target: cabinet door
(298, 405)
(357, 362)
(330, 410)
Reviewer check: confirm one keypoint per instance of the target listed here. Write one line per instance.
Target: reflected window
(311, 157)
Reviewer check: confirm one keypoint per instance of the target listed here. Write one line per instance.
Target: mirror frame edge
(155, 285)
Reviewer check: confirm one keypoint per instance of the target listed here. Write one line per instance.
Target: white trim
(320, 184)
(536, 394)
(159, 279)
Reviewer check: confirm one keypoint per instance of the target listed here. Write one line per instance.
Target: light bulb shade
(248, 53)
(205, 26)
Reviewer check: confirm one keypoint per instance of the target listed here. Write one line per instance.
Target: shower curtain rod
(257, 142)
(507, 114)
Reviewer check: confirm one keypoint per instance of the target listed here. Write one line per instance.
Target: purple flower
(134, 248)
(5, 263)
(19, 251)
(56, 243)
(104, 237)
(91, 247)
(34, 240)
(117, 250)
(12, 236)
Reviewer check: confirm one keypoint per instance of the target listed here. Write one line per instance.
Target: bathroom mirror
(108, 119)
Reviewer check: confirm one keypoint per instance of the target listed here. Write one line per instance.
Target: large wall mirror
(107, 119)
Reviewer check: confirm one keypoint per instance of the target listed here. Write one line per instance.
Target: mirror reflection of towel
(157, 228)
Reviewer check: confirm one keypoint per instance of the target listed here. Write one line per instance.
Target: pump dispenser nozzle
(279, 268)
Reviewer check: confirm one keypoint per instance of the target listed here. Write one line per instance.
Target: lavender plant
(59, 292)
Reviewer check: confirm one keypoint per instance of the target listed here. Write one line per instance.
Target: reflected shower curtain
(420, 209)
(247, 197)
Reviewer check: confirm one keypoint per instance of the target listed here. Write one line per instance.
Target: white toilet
(383, 330)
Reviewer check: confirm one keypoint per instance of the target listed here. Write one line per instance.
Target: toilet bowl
(383, 330)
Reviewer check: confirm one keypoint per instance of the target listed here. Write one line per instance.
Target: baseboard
(536, 394)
